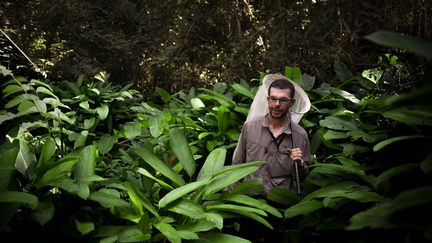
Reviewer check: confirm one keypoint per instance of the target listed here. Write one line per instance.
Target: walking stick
(296, 173)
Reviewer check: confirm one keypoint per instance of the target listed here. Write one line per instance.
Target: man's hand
(295, 154)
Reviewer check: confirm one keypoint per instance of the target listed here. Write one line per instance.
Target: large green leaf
(214, 162)
(106, 143)
(132, 130)
(342, 171)
(396, 40)
(406, 210)
(169, 232)
(283, 196)
(337, 123)
(103, 111)
(181, 149)
(256, 218)
(223, 119)
(12, 89)
(18, 99)
(86, 163)
(386, 175)
(303, 207)
(157, 124)
(389, 141)
(132, 234)
(242, 90)
(294, 74)
(108, 198)
(25, 198)
(228, 178)
(219, 238)
(236, 209)
(252, 187)
(159, 165)
(415, 115)
(342, 71)
(149, 175)
(197, 103)
(139, 200)
(58, 172)
(181, 191)
(7, 158)
(25, 159)
(46, 91)
(199, 226)
(249, 201)
(48, 150)
(188, 208)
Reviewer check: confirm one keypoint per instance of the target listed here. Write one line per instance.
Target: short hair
(282, 84)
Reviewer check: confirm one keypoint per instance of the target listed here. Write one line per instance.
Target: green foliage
(123, 175)
(116, 167)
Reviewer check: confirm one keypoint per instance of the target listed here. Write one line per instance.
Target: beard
(277, 113)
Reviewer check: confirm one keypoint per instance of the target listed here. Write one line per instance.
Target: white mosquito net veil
(259, 105)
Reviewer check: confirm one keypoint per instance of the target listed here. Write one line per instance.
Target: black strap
(277, 141)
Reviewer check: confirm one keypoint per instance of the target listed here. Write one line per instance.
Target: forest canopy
(183, 44)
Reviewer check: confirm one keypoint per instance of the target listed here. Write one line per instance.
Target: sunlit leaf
(103, 111)
(293, 73)
(346, 95)
(214, 162)
(197, 103)
(223, 119)
(157, 125)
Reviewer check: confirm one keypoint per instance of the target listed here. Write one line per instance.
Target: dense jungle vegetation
(119, 119)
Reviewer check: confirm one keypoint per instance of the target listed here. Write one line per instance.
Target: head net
(259, 105)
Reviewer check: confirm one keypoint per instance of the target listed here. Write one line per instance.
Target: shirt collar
(286, 129)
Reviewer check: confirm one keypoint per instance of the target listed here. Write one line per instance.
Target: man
(270, 138)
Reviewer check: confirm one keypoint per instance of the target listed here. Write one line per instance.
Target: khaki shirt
(256, 144)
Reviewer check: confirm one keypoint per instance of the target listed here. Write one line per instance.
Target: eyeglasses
(281, 100)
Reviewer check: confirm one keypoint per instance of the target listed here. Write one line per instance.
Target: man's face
(279, 102)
